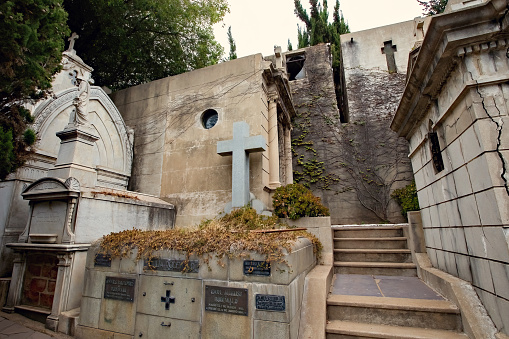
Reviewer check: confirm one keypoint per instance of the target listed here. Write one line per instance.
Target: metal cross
(168, 300)
(389, 50)
(73, 38)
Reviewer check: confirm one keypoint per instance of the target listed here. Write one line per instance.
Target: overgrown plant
(33, 33)
(407, 198)
(230, 236)
(295, 201)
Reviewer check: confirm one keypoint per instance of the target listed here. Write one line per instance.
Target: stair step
(374, 243)
(422, 313)
(368, 254)
(374, 264)
(373, 232)
(346, 329)
(375, 268)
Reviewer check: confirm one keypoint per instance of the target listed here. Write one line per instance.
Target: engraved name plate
(226, 300)
(102, 260)
(270, 302)
(172, 265)
(119, 288)
(254, 267)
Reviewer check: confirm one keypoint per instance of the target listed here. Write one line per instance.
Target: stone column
(61, 290)
(16, 283)
(288, 156)
(273, 146)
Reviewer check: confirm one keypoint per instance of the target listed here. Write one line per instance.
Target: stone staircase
(384, 298)
(375, 250)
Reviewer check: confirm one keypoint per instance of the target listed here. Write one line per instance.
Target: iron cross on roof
(239, 148)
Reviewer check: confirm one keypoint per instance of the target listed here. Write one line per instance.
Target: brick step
(376, 268)
(433, 314)
(375, 243)
(372, 255)
(368, 232)
(346, 329)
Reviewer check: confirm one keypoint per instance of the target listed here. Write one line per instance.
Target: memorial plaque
(102, 260)
(254, 267)
(172, 265)
(226, 300)
(119, 288)
(270, 302)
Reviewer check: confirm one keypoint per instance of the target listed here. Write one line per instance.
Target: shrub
(406, 197)
(230, 236)
(295, 201)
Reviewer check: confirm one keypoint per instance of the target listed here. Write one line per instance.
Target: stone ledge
(314, 305)
(476, 322)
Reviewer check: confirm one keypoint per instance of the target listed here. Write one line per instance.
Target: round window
(209, 118)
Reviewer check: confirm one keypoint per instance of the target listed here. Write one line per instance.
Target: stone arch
(113, 150)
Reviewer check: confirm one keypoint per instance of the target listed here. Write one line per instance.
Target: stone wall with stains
(175, 156)
(352, 166)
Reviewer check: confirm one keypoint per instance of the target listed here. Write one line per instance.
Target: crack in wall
(499, 125)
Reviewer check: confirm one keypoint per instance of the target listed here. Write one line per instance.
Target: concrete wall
(175, 157)
(463, 96)
(372, 96)
(102, 211)
(363, 49)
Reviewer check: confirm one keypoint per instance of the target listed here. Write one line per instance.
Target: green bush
(407, 198)
(294, 201)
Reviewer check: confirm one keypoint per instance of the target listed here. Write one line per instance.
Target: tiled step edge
(373, 264)
(423, 305)
(386, 331)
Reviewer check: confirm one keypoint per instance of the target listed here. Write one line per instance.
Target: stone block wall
(465, 207)
(40, 280)
(454, 112)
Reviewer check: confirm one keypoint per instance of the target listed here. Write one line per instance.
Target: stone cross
(240, 147)
(389, 50)
(72, 39)
(167, 300)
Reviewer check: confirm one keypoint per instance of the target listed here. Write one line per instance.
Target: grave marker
(239, 148)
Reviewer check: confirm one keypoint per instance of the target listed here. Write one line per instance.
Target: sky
(258, 25)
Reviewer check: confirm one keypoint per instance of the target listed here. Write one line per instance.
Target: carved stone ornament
(72, 184)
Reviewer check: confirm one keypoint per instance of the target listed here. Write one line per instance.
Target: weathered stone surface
(164, 297)
(175, 156)
(466, 105)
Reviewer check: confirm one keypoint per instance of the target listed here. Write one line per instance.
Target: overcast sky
(258, 25)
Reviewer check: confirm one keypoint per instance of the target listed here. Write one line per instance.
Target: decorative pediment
(52, 188)
(112, 154)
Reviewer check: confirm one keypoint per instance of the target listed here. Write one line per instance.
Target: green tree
(433, 7)
(233, 46)
(317, 28)
(130, 42)
(33, 35)
(289, 47)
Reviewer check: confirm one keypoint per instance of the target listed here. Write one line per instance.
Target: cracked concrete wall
(465, 207)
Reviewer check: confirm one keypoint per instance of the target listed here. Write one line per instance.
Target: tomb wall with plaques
(233, 298)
